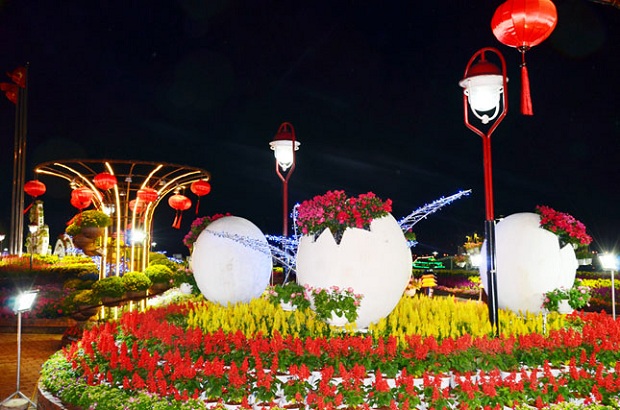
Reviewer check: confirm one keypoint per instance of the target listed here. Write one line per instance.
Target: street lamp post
(33, 229)
(284, 146)
(485, 93)
(609, 262)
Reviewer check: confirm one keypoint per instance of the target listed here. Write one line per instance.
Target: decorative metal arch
(131, 176)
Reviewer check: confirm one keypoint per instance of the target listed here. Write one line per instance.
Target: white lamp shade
(483, 91)
(609, 261)
(24, 301)
(283, 151)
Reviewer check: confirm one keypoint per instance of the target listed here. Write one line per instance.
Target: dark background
(370, 87)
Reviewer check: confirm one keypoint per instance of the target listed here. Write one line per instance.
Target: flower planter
(111, 300)
(374, 263)
(136, 294)
(530, 262)
(92, 232)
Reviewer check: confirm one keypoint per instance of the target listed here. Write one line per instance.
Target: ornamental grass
(198, 354)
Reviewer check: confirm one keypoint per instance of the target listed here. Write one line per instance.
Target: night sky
(370, 87)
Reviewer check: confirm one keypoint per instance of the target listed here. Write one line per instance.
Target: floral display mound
(197, 355)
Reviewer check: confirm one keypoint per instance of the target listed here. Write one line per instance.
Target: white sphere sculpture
(226, 270)
(529, 262)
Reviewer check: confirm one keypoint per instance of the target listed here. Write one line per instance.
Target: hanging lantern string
(526, 97)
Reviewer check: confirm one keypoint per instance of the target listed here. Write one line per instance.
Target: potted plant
(89, 223)
(109, 289)
(289, 296)
(576, 298)
(136, 284)
(345, 242)
(568, 229)
(160, 276)
(334, 305)
(472, 244)
(83, 304)
(583, 255)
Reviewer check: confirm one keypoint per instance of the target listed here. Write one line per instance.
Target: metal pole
(285, 208)
(613, 295)
(19, 346)
(489, 233)
(31, 249)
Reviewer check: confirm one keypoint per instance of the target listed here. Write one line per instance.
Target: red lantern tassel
(176, 224)
(197, 205)
(28, 208)
(526, 98)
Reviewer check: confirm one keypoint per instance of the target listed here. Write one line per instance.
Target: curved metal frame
(131, 176)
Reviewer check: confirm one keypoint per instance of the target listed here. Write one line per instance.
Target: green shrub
(92, 218)
(135, 281)
(77, 284)
(156, 258)
(73, 230)
(159, 273)
(111, 287)
(84, 297)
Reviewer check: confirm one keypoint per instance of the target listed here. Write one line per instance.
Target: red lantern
(200, 188)
(137, 206)
(33, 188)
(524, 24)
(82, 194)
(147, 195)
(180, 203)
(104, 180)
(80, 203)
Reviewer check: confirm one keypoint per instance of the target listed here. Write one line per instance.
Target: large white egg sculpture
(229, 270)
(375, 263)
(529, 262)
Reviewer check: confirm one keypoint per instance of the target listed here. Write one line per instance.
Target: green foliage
(48, 259)
(185, 275)
(156, 258)
(92, 218)
(578, 296)
(73, 229)
(290, 292)
(109, 287)
(85, 297)
(77, 284)
(159, 273)
(135, 281)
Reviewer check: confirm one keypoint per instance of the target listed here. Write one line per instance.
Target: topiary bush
(159, 273)
(111, 287)
(135, 281)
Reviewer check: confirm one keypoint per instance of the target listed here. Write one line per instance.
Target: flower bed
(184, 355)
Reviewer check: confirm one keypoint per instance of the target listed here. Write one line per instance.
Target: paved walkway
(36, 348)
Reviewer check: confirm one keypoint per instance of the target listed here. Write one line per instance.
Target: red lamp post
(485, 93)
(284, 146)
